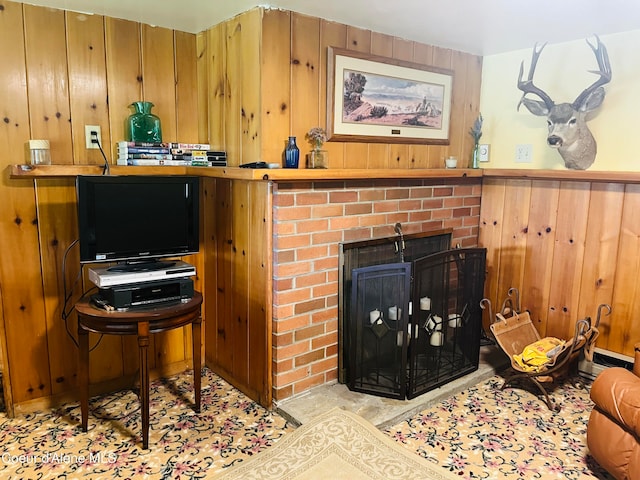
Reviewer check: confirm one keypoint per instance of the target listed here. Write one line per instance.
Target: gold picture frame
(384, 100)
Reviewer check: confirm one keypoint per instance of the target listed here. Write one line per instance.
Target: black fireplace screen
(414, 326)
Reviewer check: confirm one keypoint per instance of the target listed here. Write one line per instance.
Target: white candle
(374, 315)
(436, 339)
(394, 313)
(410, 308)
(425, 303)
(454, 320)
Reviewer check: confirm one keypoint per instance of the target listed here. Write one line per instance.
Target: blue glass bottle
(291, 154)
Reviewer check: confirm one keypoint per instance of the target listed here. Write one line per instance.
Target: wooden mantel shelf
(302, 174)
(564, 175)
(275, 174)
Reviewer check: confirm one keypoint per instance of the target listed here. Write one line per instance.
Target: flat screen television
(136, 220)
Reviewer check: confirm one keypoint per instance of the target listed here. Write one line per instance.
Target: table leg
(83, 374)
(197, 361)
(143, 350)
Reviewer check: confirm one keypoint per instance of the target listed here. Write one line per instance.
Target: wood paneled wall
(61, 71)
(286, 53)
(568, 246)
(238, 284)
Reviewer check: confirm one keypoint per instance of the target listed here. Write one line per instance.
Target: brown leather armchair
(613, 431)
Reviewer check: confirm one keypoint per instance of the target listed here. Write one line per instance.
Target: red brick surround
(310, 220)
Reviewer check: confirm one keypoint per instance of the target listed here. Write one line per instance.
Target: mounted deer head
(568, 131)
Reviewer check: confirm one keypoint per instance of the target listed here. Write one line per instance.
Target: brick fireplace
(311, 219)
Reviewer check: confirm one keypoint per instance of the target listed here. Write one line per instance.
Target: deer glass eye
(572, 121)
(549, 123)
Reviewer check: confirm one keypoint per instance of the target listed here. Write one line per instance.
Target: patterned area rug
(488, 433)
(183, 444)
(337, 444)
(481, 433)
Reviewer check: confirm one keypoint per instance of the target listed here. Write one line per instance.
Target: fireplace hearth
(410, 318)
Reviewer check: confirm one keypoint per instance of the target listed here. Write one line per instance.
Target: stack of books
(170, 153)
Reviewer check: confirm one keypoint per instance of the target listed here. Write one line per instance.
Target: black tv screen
(137, 218)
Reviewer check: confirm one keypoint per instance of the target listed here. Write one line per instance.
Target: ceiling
(482, 27)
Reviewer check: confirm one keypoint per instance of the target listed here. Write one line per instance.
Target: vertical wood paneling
(232, 90)
(489, 235)
(223, 350)
(217, 89)
(202, 72)
(87, 84)
(259, 294)
(186, 92)
(23, 307)
(251, 113)
(240, 287)
(625, 328)
(471, 110)
(601, 254)
(457, 127)
(158, 67)
(124, 74)
(515, 218)
(582, 250)
(275, 87)
(568, 258)
(65, 70)
(47, 81)
(540, 238)
(209, 272)
(305, 78)
(58, 230)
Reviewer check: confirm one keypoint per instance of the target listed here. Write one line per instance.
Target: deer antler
(528, 86)
(604, 70)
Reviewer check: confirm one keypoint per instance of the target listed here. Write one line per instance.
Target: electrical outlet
(524, 153)
(483, 152)
(87, 135)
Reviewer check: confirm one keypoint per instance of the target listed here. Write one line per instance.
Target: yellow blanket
(537, 355)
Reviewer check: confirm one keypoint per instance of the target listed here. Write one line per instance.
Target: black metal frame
(398, 358)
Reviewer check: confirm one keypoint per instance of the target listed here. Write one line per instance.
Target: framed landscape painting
(379, 99)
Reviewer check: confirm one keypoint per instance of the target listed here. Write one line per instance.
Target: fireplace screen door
(414, 326)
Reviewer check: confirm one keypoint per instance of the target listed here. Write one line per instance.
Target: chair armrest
(616, 392)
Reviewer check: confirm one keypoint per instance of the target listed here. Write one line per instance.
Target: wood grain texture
(47, 80)
(87, 84)
(64, 70)
(541, 240)
(124, 74)
(581, 250)
(26, 373)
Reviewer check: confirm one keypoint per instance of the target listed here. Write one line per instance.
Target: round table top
(86, 308)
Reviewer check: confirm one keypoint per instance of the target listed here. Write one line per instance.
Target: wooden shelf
(564, 175)
(275, 174)
(317, 175)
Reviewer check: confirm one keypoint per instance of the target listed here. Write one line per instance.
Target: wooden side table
(140, 322)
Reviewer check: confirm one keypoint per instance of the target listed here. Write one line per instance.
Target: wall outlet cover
(483, 152)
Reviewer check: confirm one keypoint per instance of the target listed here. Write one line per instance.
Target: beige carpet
(335, 445)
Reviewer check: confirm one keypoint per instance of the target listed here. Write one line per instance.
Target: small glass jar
(39, 153)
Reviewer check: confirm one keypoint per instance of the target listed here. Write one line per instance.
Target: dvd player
(147, 294)
(115, 275)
